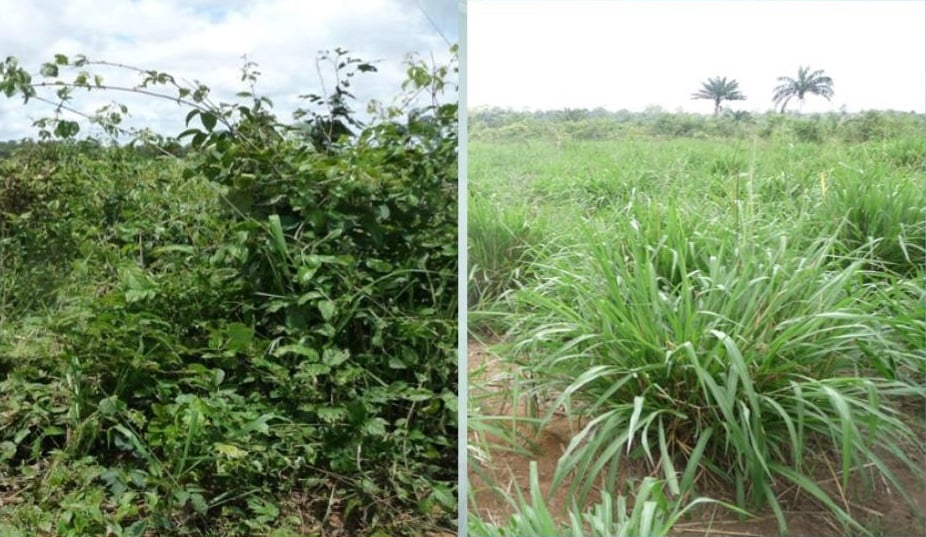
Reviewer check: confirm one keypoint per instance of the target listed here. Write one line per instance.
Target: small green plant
(655, 511)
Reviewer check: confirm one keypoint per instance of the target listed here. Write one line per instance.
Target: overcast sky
(205, 40)
(534, 54)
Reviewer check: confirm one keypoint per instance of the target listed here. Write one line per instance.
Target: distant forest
(169, 147)
(602, 124)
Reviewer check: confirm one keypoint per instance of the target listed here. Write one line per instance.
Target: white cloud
(630, 54)
(206, 39)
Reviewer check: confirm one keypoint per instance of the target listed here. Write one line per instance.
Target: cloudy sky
(205, 39)
(631, 54)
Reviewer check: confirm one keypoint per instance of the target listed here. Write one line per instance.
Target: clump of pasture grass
(885, 216)
(500, 241)
(753, 358)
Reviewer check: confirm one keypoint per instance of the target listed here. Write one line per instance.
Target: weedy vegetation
(245, 329)
(726, 307)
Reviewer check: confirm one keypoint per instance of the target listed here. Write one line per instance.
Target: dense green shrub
(807, 130)
(261, 329)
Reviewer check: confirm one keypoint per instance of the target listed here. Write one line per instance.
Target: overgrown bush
(600, 124)
(257, 335)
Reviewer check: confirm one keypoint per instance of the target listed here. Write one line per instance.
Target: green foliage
(654, 512)
(762, 300)
(252, 332)
(753, 351)
(719, 89)
(807, 81)
(513, 126)
(885, 217)
(500, 250)
(807, 130)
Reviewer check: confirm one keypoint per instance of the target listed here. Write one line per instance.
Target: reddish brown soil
(883, 511)
(508, 469)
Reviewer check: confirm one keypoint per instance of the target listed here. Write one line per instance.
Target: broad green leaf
(332, 414)
(334, 357)
(301, 350)
(239, 336)
(276, 232)
(327, 309)
(208, 119)
(230, 451)
(199, 503)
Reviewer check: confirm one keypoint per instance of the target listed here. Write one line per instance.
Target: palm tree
(806, 82)
(738, 116)
(718, 90)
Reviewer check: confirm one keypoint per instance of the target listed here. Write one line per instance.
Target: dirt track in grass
(883, 511)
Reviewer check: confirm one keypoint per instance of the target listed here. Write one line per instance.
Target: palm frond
(719, 89)
(814, 82)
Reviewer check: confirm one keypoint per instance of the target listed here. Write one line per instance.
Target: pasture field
(672, 331)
